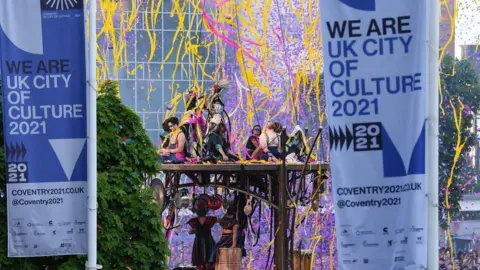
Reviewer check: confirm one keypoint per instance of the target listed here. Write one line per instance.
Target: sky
(468, 24)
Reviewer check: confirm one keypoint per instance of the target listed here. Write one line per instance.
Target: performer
(193, 123)
(216, 107)
(269, 143)
(203, 244)
(175, 151)
(165, 135)
(297, 146)
(253, 140)
(218, 147)
(230, 233)
(215, 111)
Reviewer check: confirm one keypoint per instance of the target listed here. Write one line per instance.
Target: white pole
(433, 22)
(92, 139)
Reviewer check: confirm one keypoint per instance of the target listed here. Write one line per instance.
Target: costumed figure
(174, 151)
(297, 146)
(270, 143)
(216, 108)
(253, 141)
(203, 244)
(214, 105)
(165, 135)
(193, 122)
(218, 147)
(232, 236)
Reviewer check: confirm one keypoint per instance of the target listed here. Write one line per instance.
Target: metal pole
(92, 139)
(477, 144)
(433, 16)
(281, 251)
(281, 257)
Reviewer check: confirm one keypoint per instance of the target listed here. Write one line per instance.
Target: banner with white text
(42, 55)
(375, 77)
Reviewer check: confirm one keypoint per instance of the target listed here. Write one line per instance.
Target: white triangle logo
(68, 151)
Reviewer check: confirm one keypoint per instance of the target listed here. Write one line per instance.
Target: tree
(460, 89)
(130, 230)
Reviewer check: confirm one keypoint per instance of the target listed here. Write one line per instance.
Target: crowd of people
(204, 135)
(461, 261)
(259, 146)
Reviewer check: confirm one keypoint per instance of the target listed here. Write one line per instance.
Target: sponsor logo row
(53, 232)
(389, 243)
(370, 261)
(35, 246)
(51, 223)
(385, 231)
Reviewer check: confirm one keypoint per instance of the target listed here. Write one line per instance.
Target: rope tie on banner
(86, 204)
(91, 86)
(432, 126)
(427, 195)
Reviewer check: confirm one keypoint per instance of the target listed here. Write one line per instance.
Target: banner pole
(92, 139)
(433, 8)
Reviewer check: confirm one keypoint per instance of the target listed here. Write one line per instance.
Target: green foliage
(460, 85)
(130, 230)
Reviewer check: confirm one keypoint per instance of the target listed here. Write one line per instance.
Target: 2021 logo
(373, 136)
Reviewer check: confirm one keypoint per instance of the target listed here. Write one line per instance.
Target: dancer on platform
(165, 135)
(203, 244)
(230, 233)
(269, 143)
(218, 147)
(193, 123)
(175, 150)
(253, 140)
(215, 105)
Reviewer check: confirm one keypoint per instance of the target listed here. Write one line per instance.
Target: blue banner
(375, 67)
(42, 55)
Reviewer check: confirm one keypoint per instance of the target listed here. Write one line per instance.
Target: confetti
(271, 53)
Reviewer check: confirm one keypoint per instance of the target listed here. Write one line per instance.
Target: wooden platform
(240, 177)
(235, 167)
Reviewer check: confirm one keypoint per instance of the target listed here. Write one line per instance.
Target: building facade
(164, 54)
(472, 54)
(148, 84)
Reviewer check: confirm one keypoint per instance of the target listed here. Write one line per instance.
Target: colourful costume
(272, 143)
(252, 143)
(216, 142)
(216, 107)
(203, 243)
(173, 157)
(226, 241)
